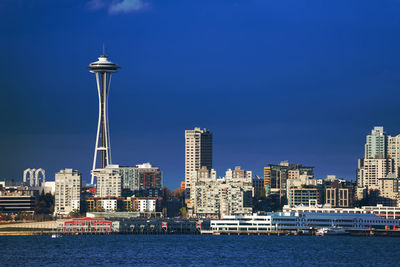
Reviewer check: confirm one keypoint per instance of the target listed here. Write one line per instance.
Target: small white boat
(56, 235)
(331, 231)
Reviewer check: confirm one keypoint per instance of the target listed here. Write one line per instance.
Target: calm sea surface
(192, 250)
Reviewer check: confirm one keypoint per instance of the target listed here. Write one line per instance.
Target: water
(195, 250)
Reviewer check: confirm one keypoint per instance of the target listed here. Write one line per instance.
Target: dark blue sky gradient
(302, 81)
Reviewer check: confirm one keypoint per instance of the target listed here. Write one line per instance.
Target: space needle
(103, 68)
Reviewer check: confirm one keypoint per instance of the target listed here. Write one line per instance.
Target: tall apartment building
(371, 170)
(389, 190)
(212, 197)
(68, 184)
(393, 152)
(376, 144)
(198, 153)
(149, 180)
(109, 181)
(379, 169)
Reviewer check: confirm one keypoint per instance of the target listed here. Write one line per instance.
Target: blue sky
(303, 81)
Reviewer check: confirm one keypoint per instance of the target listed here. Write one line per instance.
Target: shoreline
(354, 233)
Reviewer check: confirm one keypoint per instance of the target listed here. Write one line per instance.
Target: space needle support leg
(105, 122)
(98, 128)
(109, 160)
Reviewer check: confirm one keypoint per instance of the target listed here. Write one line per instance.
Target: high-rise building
(109, 181)
(378, 171)
(103, 68)
(371, 170)
(258, 187)
(376, 144)
(393, 152)
(149, 180)
(389, 190)
(198, 153)
(68, 184)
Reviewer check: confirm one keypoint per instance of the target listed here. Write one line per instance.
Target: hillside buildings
(214, 197)
(378, 171)
(276, 178)
(142, 179)
(68, 184)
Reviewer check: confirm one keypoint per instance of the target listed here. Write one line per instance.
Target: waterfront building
(384, 212)
(88, 225)
(301, 221)
(68, 184)
(15, 199)
(212, 197)
(198, 153)
(17, 203)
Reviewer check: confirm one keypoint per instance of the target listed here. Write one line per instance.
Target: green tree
(74, 214)
(183, 211)
(44, 204)
(22, 216)
(5, 217)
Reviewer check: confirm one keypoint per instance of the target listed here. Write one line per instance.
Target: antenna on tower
(104, 50)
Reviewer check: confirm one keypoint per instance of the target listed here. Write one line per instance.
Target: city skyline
(304, 89)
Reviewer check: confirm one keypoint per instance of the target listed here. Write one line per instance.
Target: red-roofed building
(88, 225)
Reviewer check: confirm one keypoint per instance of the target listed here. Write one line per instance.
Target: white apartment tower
(198, 153)
(370, 171)
(109, 181)
(68, 186)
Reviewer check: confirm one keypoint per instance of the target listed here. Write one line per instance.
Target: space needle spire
(103, 68)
